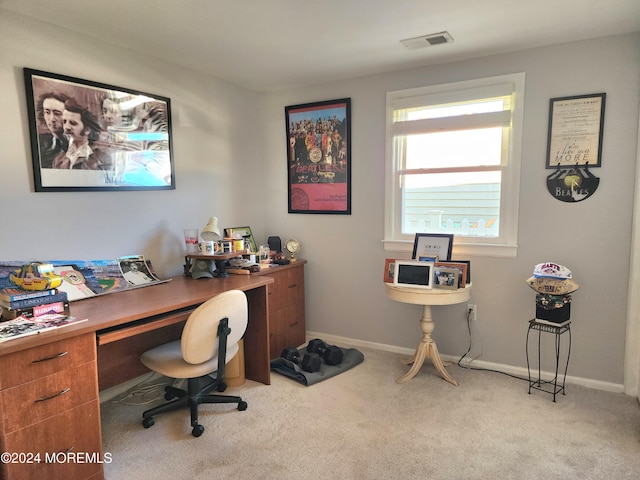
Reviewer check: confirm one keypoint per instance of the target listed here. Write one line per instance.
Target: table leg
(426, 349)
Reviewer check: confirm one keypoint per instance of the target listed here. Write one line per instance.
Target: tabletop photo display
(436, 249)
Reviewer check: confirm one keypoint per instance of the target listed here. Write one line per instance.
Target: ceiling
(268, 45)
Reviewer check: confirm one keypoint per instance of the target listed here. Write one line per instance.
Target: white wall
(217, 157)
(345, 293)
(230, 154)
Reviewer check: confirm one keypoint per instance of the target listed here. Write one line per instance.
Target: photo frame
(114, 138)
(468, 264)
(460, 266)
(575, 131)
(413, 274)
(433, 245)
(319, 157)
(389, 268)
(246, 235)
(446, 277)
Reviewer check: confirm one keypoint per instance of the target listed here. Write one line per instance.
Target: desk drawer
(74, 432)
(287, 329)
(27, 365)
(46, 397)
(288, 288)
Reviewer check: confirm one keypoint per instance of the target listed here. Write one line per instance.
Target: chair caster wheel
(148, 422)
(197, 430)
(221, 387)
(168, 396)
(242, 406)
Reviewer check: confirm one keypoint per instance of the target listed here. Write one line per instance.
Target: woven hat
(552, 286)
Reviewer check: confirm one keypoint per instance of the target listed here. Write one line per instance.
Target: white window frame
(507, 243)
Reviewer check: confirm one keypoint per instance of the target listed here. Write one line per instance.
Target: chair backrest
(199, 341)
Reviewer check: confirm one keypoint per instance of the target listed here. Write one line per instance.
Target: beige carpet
(363, 425)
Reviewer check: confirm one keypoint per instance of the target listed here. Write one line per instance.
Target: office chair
(209, 341)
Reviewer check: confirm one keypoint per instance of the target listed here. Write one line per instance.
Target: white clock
(293, 247)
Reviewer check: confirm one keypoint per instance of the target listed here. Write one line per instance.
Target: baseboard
(512, 370)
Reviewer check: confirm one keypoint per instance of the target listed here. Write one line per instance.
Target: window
(453, 164)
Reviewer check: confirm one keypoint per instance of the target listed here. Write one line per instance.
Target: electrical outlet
(472, 310)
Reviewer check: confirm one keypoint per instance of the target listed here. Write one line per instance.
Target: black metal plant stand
(549, 386)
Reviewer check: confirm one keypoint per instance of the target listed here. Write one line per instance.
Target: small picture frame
(468, 264)
(413, 274)
(446, 278)
(389, 268)
(461, 267)
(246, 234)
(427, 258)
(437, 245)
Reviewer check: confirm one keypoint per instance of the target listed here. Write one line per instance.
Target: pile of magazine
(26, 312)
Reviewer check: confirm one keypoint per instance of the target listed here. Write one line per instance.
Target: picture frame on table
(468, 264)
(413, 274)
(460, 266)
(438, 245)
(122, 140)
(389, 268)
(446, 277)
(246, 234)
(319, 157)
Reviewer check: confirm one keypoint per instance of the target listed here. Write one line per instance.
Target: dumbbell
(310, 361)
(330, 353)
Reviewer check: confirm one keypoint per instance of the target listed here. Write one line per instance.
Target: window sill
(460, 250)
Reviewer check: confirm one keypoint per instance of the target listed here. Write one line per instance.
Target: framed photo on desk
(246, 234)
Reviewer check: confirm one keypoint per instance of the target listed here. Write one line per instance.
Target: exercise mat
(351, 358)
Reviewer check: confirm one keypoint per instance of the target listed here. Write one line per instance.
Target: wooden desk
(49, 383)
(427, 346)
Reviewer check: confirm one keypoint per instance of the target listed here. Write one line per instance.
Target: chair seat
(209, 341)
(167, 360)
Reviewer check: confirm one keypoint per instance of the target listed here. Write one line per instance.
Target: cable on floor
(143, 393)
(469, 367)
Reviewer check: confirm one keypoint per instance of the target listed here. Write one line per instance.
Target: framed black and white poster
(89, 136)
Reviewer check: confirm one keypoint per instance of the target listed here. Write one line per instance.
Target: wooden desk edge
(116, 314)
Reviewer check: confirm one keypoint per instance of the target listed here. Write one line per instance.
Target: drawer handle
(53, 357)
(293, 285)
(60, 393)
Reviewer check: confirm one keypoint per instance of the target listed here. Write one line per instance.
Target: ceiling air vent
(427, 40)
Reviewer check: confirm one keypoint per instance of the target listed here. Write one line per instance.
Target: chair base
(192, 397)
